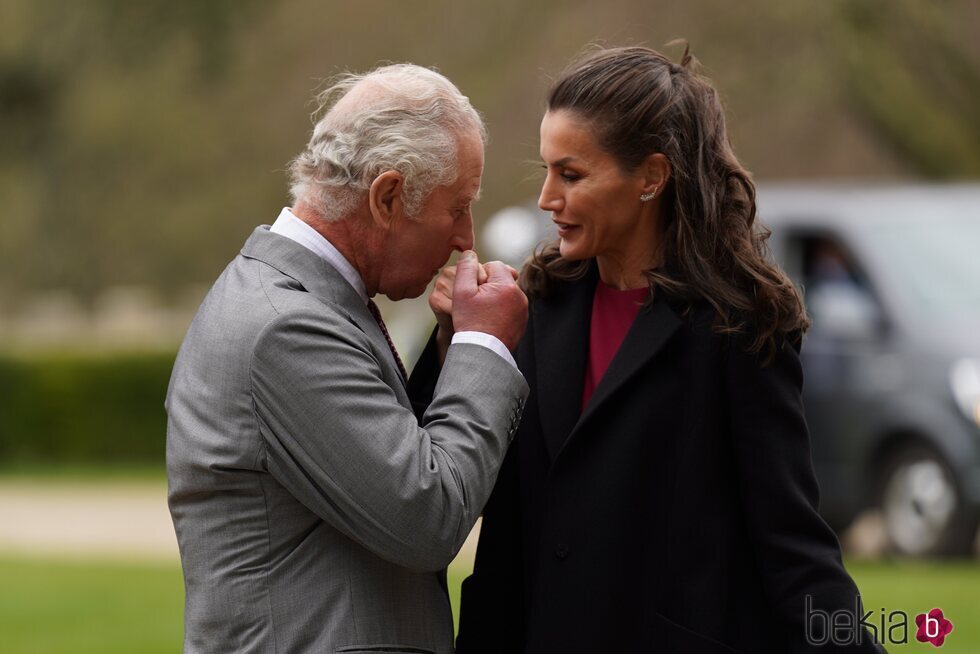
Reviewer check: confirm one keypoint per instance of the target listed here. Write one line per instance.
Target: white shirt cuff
(487, 341)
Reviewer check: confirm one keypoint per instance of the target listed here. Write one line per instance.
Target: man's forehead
(470, 161)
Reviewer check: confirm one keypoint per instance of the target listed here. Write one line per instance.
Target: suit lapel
(652, 329)
(323, 281)
(561, 343)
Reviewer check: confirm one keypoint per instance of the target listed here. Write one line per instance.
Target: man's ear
(656, 171)
(385, 198)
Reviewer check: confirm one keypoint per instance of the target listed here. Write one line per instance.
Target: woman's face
(595, 205)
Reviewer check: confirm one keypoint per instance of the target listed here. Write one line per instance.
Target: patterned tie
(373, 308)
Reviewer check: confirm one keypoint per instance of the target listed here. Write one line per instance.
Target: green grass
(919, 587)
(100, 607)
(89, 607)
(105, 607)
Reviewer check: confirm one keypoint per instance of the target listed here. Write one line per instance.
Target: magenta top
(613, 312)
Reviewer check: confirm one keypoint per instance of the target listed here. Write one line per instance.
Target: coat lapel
(561, 343)
(652, 329)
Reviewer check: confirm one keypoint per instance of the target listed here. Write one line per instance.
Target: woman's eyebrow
(564, 161)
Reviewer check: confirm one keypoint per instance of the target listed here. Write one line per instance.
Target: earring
(646, 197)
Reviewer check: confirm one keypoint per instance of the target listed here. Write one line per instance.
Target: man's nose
(463, 237)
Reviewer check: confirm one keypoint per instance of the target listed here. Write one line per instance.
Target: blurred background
(141, 142)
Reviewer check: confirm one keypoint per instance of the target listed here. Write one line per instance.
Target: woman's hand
(441, 303)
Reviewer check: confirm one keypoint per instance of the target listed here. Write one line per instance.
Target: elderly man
(315, 511)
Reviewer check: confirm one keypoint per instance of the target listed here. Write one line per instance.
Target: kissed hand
(483, 285)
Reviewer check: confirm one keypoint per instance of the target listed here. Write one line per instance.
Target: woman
(658, 496)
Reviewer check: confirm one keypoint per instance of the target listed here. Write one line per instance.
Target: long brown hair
(638, 103)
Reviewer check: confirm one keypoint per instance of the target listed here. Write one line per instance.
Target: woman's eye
(567, 175)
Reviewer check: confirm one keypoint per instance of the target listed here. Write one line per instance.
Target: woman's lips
(565, 229)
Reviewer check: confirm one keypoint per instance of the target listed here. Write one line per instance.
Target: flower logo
(933, 627)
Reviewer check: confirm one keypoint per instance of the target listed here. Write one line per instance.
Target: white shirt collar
(290, 226)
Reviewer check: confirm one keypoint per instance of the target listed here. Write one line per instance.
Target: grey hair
(402, 117)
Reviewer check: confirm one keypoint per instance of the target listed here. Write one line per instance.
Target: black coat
(677, 513)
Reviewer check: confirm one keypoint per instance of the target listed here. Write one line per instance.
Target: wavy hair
(409, 121)
(638, 102)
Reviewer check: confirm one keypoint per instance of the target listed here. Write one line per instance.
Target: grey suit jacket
(314, 511)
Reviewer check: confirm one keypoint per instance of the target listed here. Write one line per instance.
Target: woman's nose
(549, 200)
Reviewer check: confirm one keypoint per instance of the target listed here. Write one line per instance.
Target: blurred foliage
(143, 30)
(83, 408)
(140, 142)
(914, 85)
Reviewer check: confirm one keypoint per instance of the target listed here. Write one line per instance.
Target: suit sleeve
(337, 438)
(797, 553)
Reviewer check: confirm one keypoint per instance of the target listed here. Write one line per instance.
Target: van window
(835, 288)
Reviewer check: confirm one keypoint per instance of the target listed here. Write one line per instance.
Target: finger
(441, 304)
(482, 275)
(513, 272)
(445, 282)
(467, 269)
(444, 287)
(499, 272)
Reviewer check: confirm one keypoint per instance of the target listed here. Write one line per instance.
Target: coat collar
(561, 342)
(319, 278)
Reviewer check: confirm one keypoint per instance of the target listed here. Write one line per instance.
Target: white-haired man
(315, 510)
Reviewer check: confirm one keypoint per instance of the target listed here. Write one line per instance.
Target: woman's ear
(656, 171)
